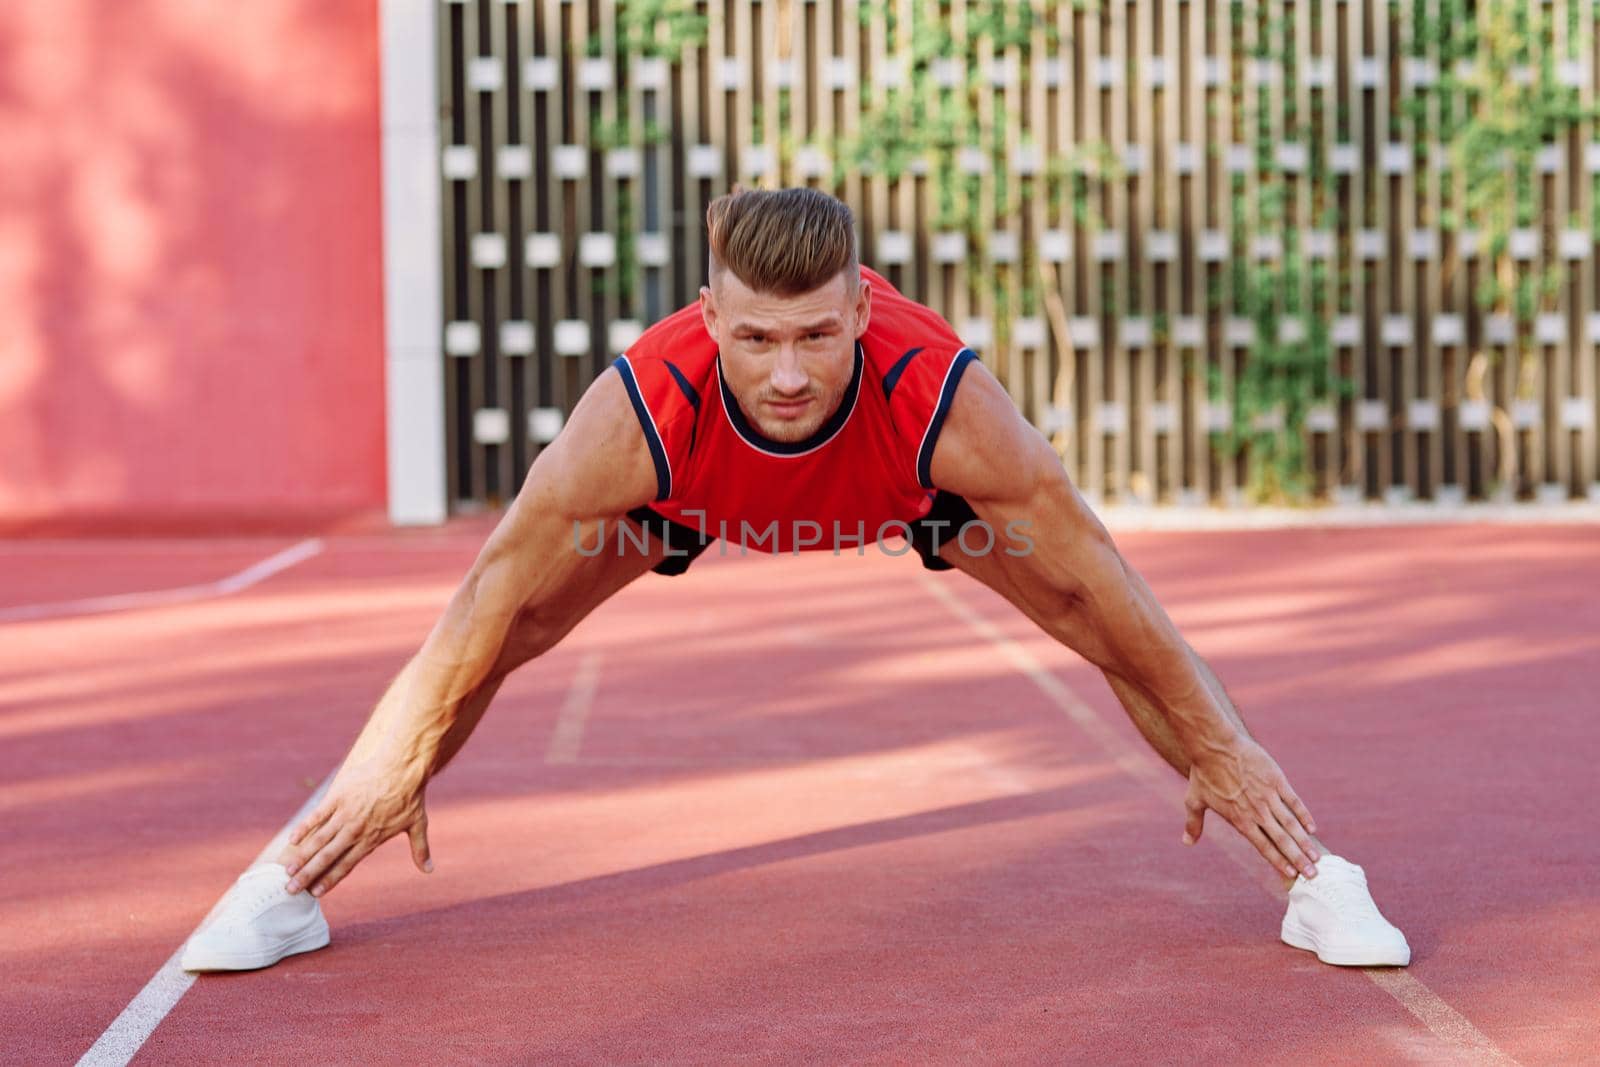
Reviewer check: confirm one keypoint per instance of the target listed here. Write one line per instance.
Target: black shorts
(939, 526)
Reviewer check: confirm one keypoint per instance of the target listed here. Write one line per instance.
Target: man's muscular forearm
(1121, 627)
(1154, 724)
(438, 697)
(1153, 721)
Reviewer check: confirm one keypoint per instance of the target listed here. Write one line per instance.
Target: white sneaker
(1333, 915)
(257, 925)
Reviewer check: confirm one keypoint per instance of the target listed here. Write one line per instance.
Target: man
(803, 403)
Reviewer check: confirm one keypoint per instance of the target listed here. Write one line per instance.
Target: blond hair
(784, 241)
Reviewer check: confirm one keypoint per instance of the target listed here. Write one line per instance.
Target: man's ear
(863, 306)
(708, 310)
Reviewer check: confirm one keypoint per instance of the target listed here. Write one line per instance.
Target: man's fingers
(1195, 824)
(1268, 850)
(1301, 812)
(325, 857)
(335, 874)
(1285, 844)
(314, 844)
(312, 821)
(418, 833)
(1292, 826)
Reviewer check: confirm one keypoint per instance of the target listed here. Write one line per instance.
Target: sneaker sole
(1295, 935)
(305, 941)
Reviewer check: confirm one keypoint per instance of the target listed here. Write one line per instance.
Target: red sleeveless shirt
(861, 476)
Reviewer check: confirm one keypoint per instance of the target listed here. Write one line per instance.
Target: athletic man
(802, 403)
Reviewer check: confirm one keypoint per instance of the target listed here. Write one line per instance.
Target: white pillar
(413, 284)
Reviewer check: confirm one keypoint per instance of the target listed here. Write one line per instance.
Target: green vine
(1518, 106)
(656, 29)
(660, 28)
(936, 123)
(1288, 367)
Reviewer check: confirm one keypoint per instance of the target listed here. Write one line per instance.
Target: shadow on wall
(190, 261)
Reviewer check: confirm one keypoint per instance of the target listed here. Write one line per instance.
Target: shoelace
(249, 904)
(1349, 895)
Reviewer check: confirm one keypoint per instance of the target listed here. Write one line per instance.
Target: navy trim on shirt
(825, 432)
(652, 436)
(892, 379)
(930, 437)
(692, 395)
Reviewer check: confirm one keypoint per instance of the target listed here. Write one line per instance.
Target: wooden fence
(1170, 227)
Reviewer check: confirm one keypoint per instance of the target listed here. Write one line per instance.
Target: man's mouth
(788, 409)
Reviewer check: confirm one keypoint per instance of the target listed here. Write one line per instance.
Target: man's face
(788, 359)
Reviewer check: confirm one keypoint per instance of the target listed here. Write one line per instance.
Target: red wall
(190, 261)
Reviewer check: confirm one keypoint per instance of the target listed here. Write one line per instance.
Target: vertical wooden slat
(1379, 451)
(643, 106)
(1328, 218)
(1174, 97)
(476, 484)
(1586, 391)
(910, 187)
(960, 306)
(1432, 368)
(980, 282)
(1204, 18)
(1279, 53)
(528, 192)
(1455, 299)
(1060, 280)
(523, 395)
(692, 108)
(1302, 219)
(766, 44)
(1115, 98)
(716, 132)
(451, 58)
(875, 202)
(548, 282)
(1558, 472)
(850, 127)
(1009, 222)
(1094, 474)
(1245, 122)
(1351, 441)
(1038, 120)
(1402, 357)
(741, 115)
(794, 49)
(1143, 483)
(498, 473)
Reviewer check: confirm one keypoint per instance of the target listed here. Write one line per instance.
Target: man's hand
(365, 806)
(1245, 786)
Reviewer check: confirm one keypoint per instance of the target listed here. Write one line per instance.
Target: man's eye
(758, 338)
(815, 336)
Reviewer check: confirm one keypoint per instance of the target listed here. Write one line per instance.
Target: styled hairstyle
(784, 241)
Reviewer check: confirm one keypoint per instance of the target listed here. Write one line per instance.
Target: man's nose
(787, 375)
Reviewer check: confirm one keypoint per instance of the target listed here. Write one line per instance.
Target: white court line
(1447, 1024)
(568, 736)
(252, 574)
(130, 1030)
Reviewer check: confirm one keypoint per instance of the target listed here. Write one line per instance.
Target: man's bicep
(989, 454)
(596, 470)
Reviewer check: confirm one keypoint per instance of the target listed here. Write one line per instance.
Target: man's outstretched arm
(1074, 583)
(527, 588)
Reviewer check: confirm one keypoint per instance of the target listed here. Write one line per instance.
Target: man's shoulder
(900, 325)
(679, 340)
